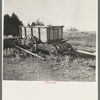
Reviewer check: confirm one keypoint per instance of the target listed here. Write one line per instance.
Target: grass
(61, 68)
(82, 40)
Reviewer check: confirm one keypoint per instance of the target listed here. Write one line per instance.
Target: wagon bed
(49, 38)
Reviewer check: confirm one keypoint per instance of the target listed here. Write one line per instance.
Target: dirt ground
(51, 69)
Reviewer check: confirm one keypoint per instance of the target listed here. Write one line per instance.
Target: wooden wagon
(47, 38)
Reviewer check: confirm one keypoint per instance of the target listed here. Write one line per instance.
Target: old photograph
(50, 40)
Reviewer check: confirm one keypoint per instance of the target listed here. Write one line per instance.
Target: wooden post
(58, 34)
(31, 31)
(48, 35)
(61, 32)
(53, 34)
(25, 31)
(39, 33)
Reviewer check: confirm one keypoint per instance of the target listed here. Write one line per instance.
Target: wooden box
(47, 34)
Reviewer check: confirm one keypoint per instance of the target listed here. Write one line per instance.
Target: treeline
(36, 23)
(72, 29)
(12, 23)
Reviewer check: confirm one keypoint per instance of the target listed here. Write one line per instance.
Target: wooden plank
(23, 32)
(29, 52)
(87, 53)
(51, 34)
(43, 32)
(28, 31)
(35, 32)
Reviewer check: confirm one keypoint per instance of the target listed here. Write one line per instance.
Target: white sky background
(81, 14)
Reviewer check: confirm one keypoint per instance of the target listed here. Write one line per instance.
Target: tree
(28, 24)
(33, 24)
(7, 23)
(11, 25)
(38, 22)
(72, 29)
(15, 23)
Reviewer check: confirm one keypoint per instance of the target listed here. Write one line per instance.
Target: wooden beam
(39, 33)
(87, 53)
(29, 52)
(31, 31)
(25, 31)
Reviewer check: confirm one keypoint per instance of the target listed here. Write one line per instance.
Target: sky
(81, 14)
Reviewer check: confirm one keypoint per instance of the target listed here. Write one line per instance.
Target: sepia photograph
(50, 40)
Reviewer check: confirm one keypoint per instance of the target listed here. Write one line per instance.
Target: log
(29, 52)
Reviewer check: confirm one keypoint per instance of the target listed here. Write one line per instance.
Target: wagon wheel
(33, 44)
(69, 47)
(68, 50)
(53, 51)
